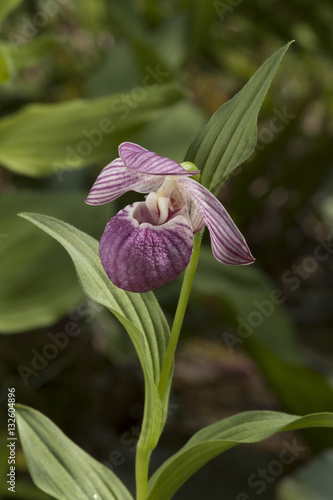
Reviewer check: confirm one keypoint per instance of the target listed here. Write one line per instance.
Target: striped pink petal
(115, 180)
(140, 159)
(228, 244)
(138, 256)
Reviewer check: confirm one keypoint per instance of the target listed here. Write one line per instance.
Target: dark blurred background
(76, 79)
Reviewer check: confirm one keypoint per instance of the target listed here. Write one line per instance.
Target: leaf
(59, 467)
(6, 7)
(93, 15)
(29, 54)
(247, 427)
(171, 41)
(37, 281)
(202, 16)
(42, 139)
(140, 314)
(230, 136)
(313, 481)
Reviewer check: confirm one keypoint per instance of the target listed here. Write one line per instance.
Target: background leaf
(6, 7)
(30, 54)
(131, 25)
(247, 427)
(59, 467)
(37, 281)
(6, 67)
(76, 133)
(176, 126)
(230, 136)
(312, 481)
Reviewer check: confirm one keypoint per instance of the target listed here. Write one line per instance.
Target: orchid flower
(149, 243)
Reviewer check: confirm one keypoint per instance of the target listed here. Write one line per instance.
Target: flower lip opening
(145, 214)
(162, 205)
(142, 215)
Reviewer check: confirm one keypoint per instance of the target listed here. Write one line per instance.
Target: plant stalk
(179, 316)
(141, 472)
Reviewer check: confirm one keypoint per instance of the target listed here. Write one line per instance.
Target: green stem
(141, 471)
(179, 316)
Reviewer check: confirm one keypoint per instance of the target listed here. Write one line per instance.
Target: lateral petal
(139, 257)
(140, 159)
(228, 244)
(115, 179)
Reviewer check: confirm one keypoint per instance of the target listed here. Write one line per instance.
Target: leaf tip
(24, 215)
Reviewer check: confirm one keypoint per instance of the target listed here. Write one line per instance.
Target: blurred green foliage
(76, 79)
(38, 284)
(313, 480)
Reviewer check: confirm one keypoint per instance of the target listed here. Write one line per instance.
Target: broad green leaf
(6, 7)
(247, 427)
(230, 136)
(59, 467)
(37, 281)
(140, 314)
(42, 139)
(313, 481)
(251, 305)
